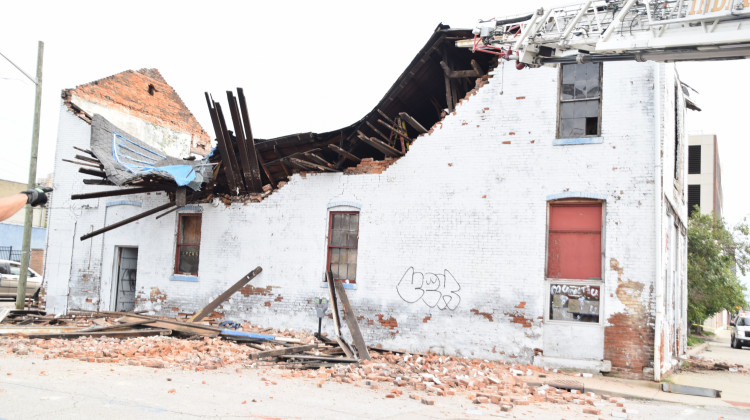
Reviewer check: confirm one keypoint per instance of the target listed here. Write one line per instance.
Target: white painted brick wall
(461, 200)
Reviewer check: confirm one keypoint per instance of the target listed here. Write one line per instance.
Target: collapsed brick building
(477, 210)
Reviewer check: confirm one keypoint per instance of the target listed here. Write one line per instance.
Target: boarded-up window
(188, 244)
(574, 250)
(343, 236)
(580, 100)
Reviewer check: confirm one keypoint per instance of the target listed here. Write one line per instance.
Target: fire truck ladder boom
(609, 30)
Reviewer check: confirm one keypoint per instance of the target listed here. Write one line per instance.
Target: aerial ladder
(617, 30)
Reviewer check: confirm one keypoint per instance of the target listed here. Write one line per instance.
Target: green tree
(715, 254)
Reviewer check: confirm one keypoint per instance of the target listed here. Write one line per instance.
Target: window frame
(178, 243)
(560, 101)
(550, 281)
(329, 247)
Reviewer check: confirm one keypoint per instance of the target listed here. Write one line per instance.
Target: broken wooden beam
(281, 352)
(373, 128)
(114, 334)
(114, 326)
(252, 153)
(251, 175)
(412, 122)
(303, 164)
(224, 296)
(344, 153)
(460, 74)
(322, 358)
(221, 144)
(87, 151)
(100, 174)
(112, 193)
(87, 165)
(394, 129)
(231, 156)
(88, 159)
(174, 325)
(380, 146)
(97, 182)
(351, 322)
(128, 220)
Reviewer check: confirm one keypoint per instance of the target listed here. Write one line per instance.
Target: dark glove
(37, 195)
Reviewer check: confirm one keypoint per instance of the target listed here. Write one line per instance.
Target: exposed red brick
(521, 305)
(427, 318)
(390, 322)
(370, 166)
(251, 290)
(519, 319)
(146, 95)
(279, 298)
(484, 314)
(267, 303)
(506, 142)
(520, 97)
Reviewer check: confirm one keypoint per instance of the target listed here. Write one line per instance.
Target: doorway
(126, 264)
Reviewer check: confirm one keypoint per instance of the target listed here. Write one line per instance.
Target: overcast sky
(304, 65)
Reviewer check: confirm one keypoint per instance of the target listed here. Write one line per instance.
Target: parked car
(740, 330)
(9, 272)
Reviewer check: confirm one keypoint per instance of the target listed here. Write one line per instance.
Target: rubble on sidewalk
(696, 363)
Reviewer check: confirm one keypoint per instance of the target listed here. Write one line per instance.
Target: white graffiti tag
(434, 289)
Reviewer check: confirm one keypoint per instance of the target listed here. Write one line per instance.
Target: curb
(698, 349)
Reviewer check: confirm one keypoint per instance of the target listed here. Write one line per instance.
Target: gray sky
(304, 65)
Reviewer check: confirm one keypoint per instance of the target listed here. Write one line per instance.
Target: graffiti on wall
(439, 290)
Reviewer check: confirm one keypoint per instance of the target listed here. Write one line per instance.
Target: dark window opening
(188, 244)
(580, 100)
(343, 238)
(694, 159)
(151, 90)
(694, 198)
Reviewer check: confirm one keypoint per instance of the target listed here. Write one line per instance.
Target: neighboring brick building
(541, 221)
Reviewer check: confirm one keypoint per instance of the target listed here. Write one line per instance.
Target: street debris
(696, 363)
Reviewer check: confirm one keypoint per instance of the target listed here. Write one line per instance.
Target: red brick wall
(36, 262)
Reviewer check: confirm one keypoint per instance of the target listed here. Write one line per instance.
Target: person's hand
(37, 195)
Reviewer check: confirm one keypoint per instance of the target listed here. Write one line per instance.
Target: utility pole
(26, 246)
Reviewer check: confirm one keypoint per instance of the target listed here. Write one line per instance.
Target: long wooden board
(351, 322)
(224, 296)
(281, 352)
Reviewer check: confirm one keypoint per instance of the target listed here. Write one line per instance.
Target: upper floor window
(188, 244)
(574, 250)
(343, 237)
(694, 159)
(580, 100)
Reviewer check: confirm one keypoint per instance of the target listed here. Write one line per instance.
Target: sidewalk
(733, 386)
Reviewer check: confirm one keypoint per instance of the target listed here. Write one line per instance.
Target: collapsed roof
(243, 167)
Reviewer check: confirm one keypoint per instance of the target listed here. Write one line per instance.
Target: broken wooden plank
(227, 136)
(313, 157)
(351, 322)
(334, 305)
(87, 151)
(87, 165)
(35, 329)
(387, 118)
(218, 130)
(132, 317)
(112, 193)
(97, 182)
(281, 352)
(128, 220)
(224, 296)
(252, 178)
(344, 153)
(92, 172)
(303, 164)
(375, 129)
(252, 152)
(114, 334)
(114, 326)
(478, 69)
(321, 358)
(89, 160)
(394, 129)
(412, 122)
(380, 146)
